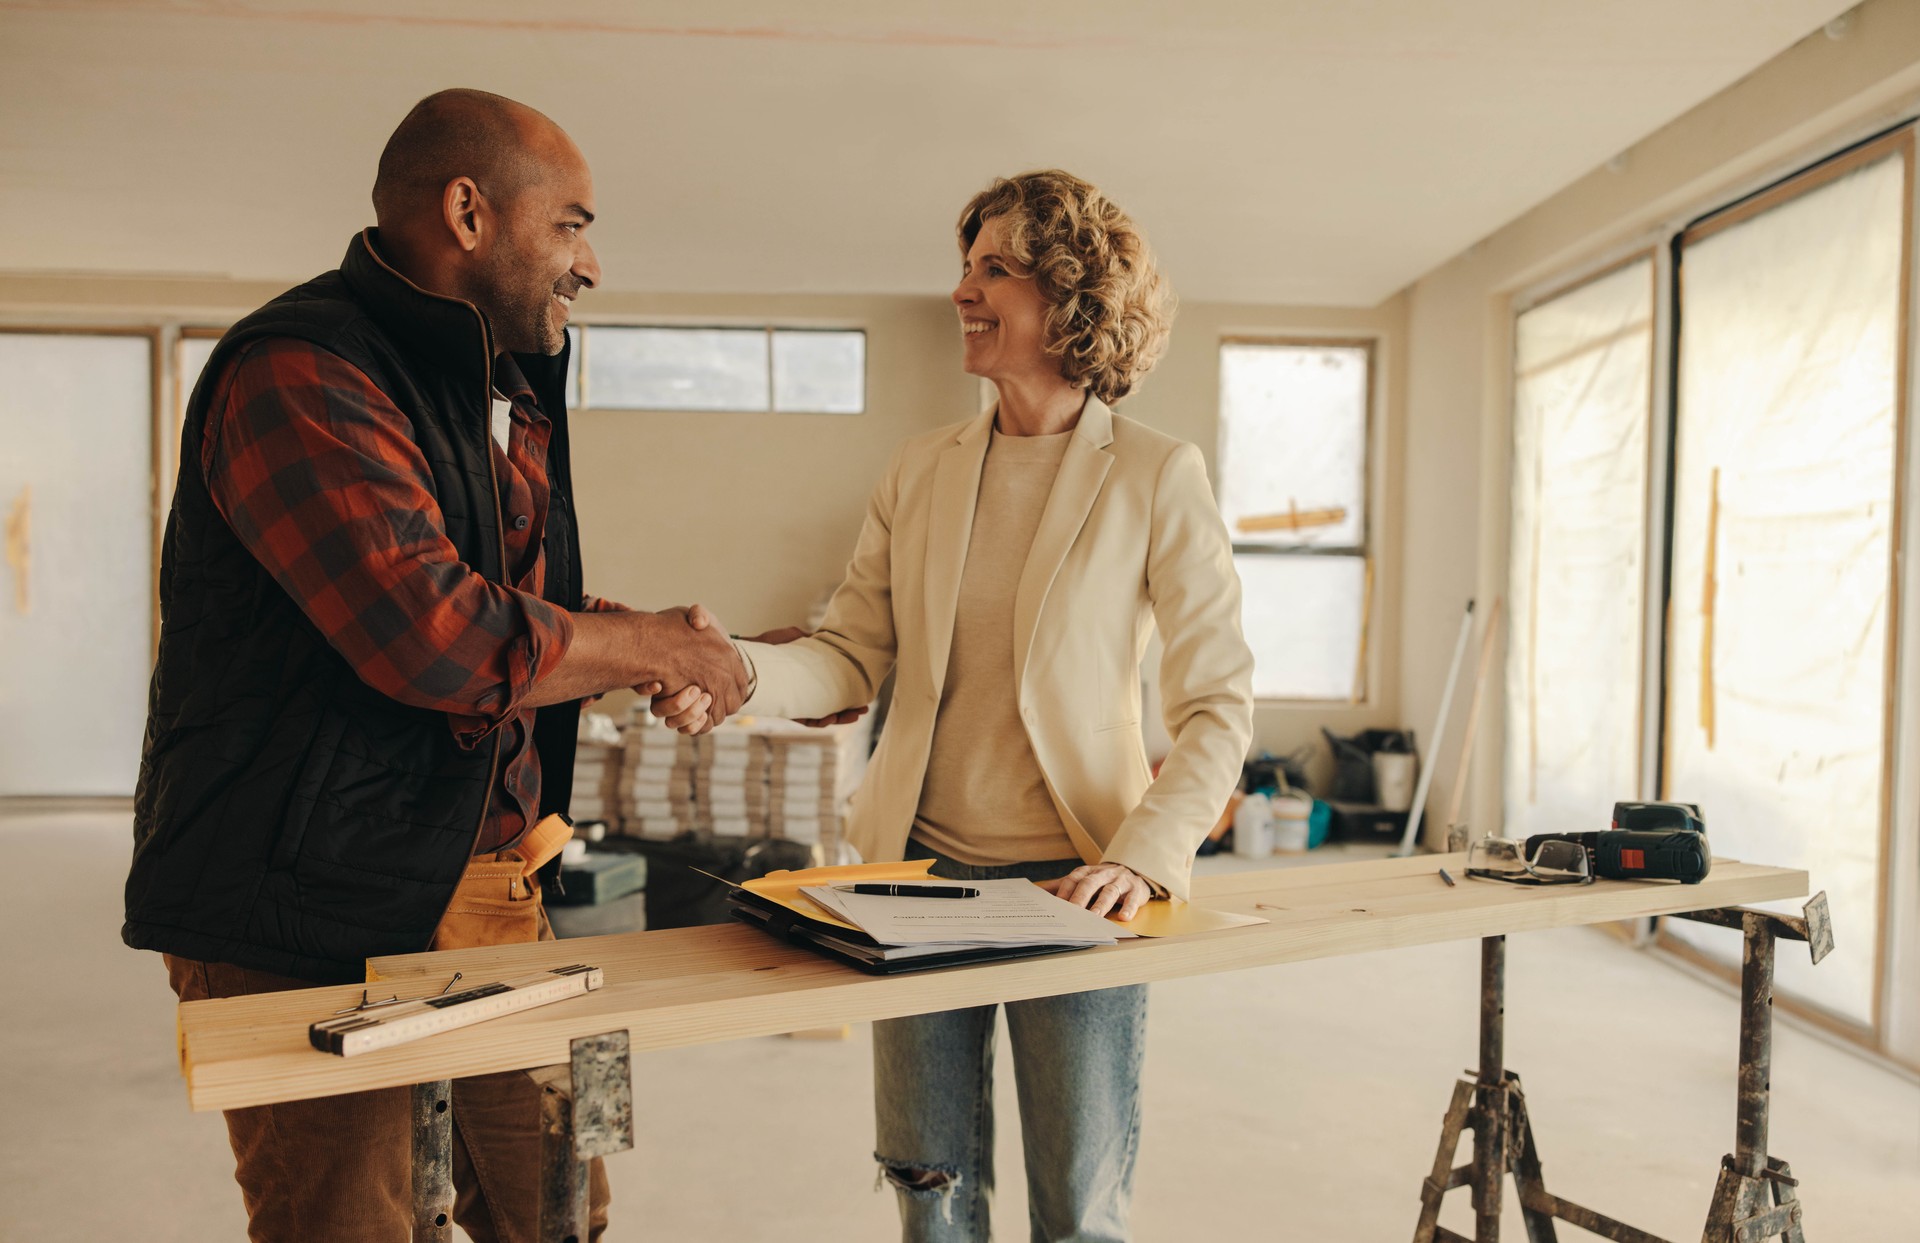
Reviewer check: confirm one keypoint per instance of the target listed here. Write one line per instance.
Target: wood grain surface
(697, 985)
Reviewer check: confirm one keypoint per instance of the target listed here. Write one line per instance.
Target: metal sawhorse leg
(1754, 1201)
(586, 1111)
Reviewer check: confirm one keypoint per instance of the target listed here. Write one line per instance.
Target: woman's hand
(685, 711)
(787, 634)
(1103, 888)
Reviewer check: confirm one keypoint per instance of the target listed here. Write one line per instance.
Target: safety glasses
(1549, 863)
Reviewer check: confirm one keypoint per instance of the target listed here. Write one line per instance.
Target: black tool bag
(1353, 761)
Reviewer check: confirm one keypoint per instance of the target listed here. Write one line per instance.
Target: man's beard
(519, 311)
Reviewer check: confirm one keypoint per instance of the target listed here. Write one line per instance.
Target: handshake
(701, 677)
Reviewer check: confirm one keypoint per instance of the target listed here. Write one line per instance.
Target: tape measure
(360, 1032)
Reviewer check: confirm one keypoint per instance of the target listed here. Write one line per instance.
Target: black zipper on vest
(500, 533)
(493, 765)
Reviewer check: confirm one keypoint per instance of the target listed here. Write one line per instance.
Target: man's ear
(463, 210)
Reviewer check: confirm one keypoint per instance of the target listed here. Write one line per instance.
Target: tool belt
(497, 901)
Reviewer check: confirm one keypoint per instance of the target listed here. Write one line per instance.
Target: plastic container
(1291, 816)
(1253, 827)
(1393, 774)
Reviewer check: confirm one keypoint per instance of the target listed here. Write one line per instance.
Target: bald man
(374, 641)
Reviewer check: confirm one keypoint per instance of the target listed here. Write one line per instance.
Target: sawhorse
(586, 1111)
(1754, 1200)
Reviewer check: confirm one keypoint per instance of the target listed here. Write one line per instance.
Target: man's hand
(1103, 887)
(649, 652)
(695, 656)
(690, 709)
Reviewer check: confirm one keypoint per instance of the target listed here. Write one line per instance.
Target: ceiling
(1277, 151)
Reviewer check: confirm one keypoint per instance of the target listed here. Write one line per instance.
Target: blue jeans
(1076, 1062)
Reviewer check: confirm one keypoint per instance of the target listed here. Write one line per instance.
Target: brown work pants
(340, 1168)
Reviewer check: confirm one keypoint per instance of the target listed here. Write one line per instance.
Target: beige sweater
(1131, 539)
(985, 800)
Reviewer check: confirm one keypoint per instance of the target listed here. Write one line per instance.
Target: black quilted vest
(289, 818)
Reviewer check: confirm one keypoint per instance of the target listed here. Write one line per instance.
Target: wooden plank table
(696, 985)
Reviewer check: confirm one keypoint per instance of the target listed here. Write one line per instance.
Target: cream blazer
(1130, 538)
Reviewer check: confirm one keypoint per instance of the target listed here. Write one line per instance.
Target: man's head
(482, 198)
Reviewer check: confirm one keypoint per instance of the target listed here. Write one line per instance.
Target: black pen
(908, 891)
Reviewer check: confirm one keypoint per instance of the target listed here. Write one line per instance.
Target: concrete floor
(1297, 1102)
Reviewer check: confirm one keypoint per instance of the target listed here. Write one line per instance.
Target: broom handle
(1473, 717)
(1439, 729)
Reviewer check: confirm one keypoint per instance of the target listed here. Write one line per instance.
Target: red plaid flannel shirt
(314, 469)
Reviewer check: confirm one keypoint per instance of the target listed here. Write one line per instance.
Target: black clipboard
(856, 948)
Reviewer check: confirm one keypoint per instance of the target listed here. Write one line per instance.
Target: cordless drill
(1648, 841)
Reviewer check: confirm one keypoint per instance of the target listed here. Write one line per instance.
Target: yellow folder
(1168, 918)
(1172, 917)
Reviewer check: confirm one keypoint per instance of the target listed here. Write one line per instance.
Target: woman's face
(1002, 314)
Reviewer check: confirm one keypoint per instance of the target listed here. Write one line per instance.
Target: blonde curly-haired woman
(1010, 569)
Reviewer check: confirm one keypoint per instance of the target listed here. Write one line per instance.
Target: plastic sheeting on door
(1576, 579)
(1783, 510)
(78, 410)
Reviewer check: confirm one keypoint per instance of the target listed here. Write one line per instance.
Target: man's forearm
(650, 652)
(609, 651)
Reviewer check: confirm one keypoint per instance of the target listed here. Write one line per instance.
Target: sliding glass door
(1788, 431)
(76, 617)
(1583, 384)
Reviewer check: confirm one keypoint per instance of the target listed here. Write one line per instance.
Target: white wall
(754, 515)
(1182, 398)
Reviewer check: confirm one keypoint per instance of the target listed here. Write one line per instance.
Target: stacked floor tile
(747, 779)
(655, 793)
(596, 784)
(730, 781)
(811, 775)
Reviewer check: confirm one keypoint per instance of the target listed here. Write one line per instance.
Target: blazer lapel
(956, 488)
(1075, 489)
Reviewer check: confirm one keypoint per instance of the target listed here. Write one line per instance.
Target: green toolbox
(600, 877)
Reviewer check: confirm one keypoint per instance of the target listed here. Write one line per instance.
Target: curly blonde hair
(1109, 309)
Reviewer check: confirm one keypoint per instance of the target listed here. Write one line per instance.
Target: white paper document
(1007, 912)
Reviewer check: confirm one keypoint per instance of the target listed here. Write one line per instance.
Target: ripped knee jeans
(1076, 1061)
(1077, 1066)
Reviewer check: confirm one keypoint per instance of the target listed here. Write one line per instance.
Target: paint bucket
(1291, 814)
(1393, 773)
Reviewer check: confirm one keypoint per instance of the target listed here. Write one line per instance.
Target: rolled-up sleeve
(317, 473)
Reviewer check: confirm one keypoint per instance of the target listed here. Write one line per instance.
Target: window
(1576, 572)
(778, 370)
(1769, 639)
(819, 372)
(1787, 425)
(76, 559)
(1294, 418)
(194, 348)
